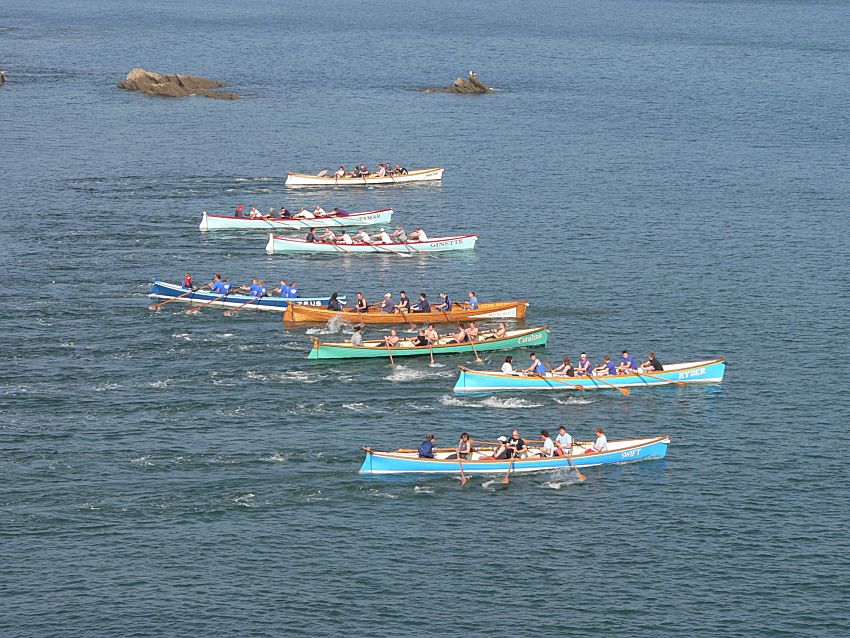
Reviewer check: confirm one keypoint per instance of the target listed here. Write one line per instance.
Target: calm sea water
(667, 176)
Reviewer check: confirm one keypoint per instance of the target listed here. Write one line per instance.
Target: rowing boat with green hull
(531, 337)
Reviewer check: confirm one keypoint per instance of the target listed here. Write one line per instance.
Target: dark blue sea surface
(667, 176)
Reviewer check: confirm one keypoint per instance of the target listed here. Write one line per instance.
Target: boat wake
(403, 374)
(510, 403)
(572, 401)
(423, 490)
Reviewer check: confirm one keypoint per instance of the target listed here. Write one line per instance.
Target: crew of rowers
(284, 213)
(398, 236)
(404, 305)
(384, 170)
(429, 336)
(515, 446)
(585, 368)
(256, 288)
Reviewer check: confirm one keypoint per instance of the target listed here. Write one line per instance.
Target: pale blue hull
(693, 372)
(395, 463)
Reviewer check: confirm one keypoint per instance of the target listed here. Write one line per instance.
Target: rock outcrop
(174, 85)
(470, 85)
(2, 78)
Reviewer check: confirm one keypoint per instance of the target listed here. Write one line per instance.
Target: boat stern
(204, 225)
(270, 244)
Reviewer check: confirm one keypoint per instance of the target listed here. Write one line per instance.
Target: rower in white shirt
(601, 442)
(345, 238)
(507, 367)
(362, 237)
(383, 237)
(418, 235)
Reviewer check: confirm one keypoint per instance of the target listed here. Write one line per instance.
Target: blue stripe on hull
(698, 372)
(161, 290)
(378, 464)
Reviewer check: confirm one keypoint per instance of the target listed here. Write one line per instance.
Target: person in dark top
(420, 339)
(240, 208)
(422, 305)
(362, 304)
(566, 369)
(516, 444)
(187, 281)
(339, 212)
(334, 303)
(652, 364)
(403, 304)
(284, 213)
(426, 448)
(311, 235)
(445, 302)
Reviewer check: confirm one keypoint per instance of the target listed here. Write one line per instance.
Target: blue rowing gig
(408, 462)
(709, 371)
(164, 290)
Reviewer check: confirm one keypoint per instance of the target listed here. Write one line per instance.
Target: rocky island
(152, 83)
(469, 85)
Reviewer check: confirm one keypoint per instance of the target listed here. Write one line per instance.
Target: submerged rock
(153, 83)
(470, 84)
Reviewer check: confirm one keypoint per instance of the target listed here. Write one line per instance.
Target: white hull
(279, 244)
(227, 222)
(423, 175)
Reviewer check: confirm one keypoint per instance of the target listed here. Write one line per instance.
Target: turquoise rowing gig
(531, 337)
(709, 371)
(408, 462)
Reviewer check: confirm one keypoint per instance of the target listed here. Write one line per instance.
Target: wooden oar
(390, 352)
(421, 252)
(162, 303)
(581, 476)
(394, 252)
(203, 305)
(232, 311)
(472, 343)
(655, 376)
(569, 385)
(431, 351)
(623, 390)
(463, 478)
(507, 478)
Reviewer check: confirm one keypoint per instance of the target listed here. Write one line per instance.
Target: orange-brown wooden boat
(487, 310)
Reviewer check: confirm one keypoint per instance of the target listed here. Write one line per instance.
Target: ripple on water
(501, 403)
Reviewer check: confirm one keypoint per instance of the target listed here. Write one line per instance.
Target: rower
(340, 212)
(652, 364)
(399, 235)
(254, 213)
(472, 331)
(293, 290)
(563, 442)
(239, 210)
(284, 213)
(215, 286)
(187, 281)
(627, 364)
(460, 336)
(445, 303)
(400, 170)
(566, 368)
(421, 339)
(382, 172)
(283, 289)
(362, 305)
(536, 367)
(600, 444)
(225, 287)
(362, 237)
(334, 303)
(507, 366)
(388, 305)
(422, 304)
(500, 451)
(322, 172)
(357, 337)
(516, 445)
(584, 365)
(606, 368)
(431, 334)
(319, 211)
(473, 301)
(391, 339)
(340, 172)
(345, 238)
(464, 446)
(548, 444)
(304, 214)
(311, 236)
(328, 236)
(498, 333)
(257, 289)
(418, 235)
(383, 237)
(426, 448)
(403, 302)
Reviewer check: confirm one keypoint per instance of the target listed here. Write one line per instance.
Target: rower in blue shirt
(422, 304)
(293, 291)
(283, 290)
(257, 289)
(627, 364)
(536, 367)
(215, 286)
(225, 287)
(445, 302)
(426, 448)
(473, 301)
